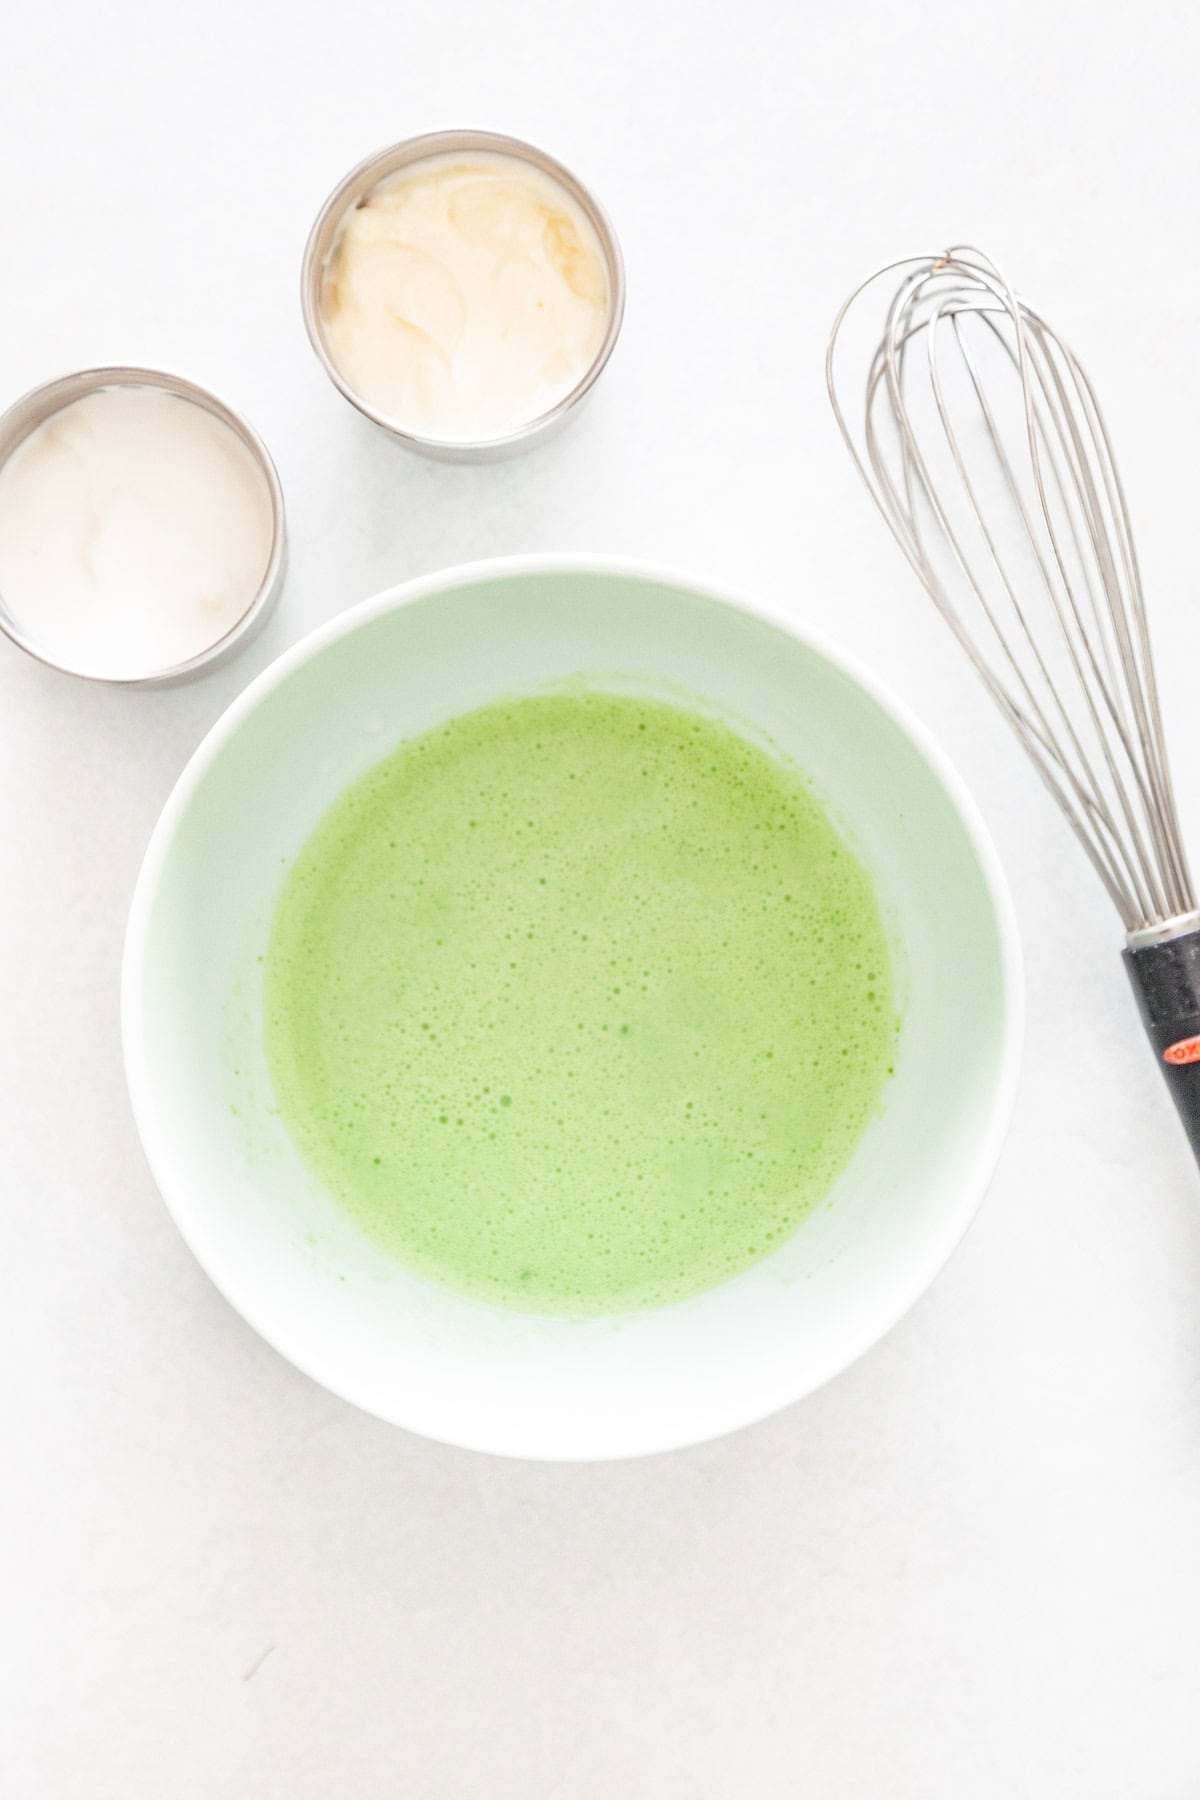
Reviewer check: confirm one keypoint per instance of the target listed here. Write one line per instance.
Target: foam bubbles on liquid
(578, 1003)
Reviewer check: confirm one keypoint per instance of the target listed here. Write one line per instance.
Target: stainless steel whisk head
(982, 444)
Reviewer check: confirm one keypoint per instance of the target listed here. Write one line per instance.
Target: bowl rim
(942, 1241)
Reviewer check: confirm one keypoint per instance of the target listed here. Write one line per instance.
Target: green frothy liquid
(578, 1004)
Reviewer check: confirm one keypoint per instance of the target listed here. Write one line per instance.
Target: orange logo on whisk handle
(1187, 1050)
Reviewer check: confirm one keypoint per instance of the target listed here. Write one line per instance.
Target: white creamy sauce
(465, 295)
(135, 531)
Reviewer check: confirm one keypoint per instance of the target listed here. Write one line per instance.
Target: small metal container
(41, 403)
(368, 175)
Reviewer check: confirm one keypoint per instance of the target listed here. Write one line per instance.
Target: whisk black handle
(1166, 980)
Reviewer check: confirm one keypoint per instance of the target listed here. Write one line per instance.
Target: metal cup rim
(377, 167)
(41, 402)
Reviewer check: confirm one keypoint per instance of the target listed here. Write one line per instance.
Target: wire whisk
(981, 441)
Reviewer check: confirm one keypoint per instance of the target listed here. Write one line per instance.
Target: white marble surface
(971, 1567)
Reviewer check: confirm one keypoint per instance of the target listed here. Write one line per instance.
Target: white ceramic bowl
(289, 1260)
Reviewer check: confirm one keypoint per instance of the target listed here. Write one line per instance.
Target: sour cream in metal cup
(464, 291)
(142, 534)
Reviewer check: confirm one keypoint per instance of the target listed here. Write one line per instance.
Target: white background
(970, 1569)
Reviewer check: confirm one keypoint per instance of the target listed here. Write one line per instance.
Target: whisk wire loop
(989, 459)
